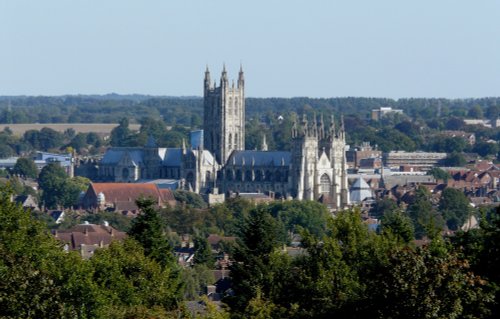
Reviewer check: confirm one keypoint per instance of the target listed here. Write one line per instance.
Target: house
(121, 197)
(26, 201)
(86, 238)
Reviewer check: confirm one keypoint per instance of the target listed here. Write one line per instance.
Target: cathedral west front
(314, 169)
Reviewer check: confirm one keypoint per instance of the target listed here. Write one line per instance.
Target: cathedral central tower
(224, 115)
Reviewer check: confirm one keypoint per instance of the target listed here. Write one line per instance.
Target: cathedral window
(125, 173)
(277, 176)
(258, 175)
(324, 184)
(248, 175)
(269, 176)
(190, 180)
(238, 175)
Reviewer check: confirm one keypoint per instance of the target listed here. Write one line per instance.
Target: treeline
(343, 268)
(187, 111)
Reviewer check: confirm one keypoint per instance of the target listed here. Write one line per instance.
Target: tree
(475, 112)
(455, 159)
(439, 174)
(25, 167)
(129, 282)
(398, 224)
(120, 134)
(383, 206)
(296, 215)
(202, 251)
(486, 149)
(455, 207)
(148, 230)
(253, 271)
(52, 181)
(425, 219)
(39, 280)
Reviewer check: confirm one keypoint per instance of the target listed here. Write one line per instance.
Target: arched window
(230, 141)
(238, 175)
(248, 175)
(269, 176)
(208, 176)
(277, 176)
(258, 175)
(236, 140)
(125, 173)
(324, 184)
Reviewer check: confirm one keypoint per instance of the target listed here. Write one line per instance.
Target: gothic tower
(319, 163)
(224, 115)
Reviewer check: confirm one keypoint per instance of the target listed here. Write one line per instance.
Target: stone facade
(314, 169)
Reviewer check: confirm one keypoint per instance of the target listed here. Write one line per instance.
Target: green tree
(398, 224)
(255, 256)
(39, 280)
(202, 251)
(383, 206)
(426, 220)
(148, 230)
(455, 207)
(52, 179)
(130, 282)
(455, 159)
(121, 134)
(439, 174)
(25, 167)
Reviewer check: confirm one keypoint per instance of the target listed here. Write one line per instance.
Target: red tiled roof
(122, 192)
(89, 234)
(124, 195)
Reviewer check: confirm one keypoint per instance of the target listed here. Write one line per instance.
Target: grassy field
(103, 129)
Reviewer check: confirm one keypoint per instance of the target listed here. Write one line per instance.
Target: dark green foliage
(39, 280)
(148, 229)
(383, 206)
(120, 135)
(426, 220)
(296, 215)
(439, 174)
(253, 270)
(25, 167)
(58, 189)
(190, 199)
(455, 160)
(202, 251)
(126, 278)
(455, 208)
(398, 224)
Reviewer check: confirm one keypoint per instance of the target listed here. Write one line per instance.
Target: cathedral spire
(333, 132)
(223, 79)
(183, 146)
(294, 126)
(264, 143)
(314, 126)
(342, 127)
(305, 128)
(241, 77)
(321, 129)
(207, 79)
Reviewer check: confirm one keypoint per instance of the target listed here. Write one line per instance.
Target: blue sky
(383, 48)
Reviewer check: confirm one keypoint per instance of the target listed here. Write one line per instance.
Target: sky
(288, 48)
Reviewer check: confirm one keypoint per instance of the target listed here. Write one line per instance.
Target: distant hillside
(110, 108)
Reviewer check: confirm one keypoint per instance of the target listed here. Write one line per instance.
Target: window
(324, 186)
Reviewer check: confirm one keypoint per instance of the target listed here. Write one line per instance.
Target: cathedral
(314, 169)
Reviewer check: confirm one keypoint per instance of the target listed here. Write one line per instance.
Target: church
(314, 169)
